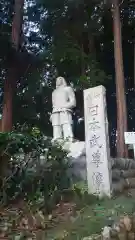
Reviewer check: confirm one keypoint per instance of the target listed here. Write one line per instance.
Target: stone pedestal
(97, 142)
(77, 156)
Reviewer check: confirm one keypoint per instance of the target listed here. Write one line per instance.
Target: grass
(90, 219)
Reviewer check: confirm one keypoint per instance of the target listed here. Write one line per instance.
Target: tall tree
(11, 78)
(120, 82)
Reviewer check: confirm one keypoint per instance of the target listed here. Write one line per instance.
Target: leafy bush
(36, 170)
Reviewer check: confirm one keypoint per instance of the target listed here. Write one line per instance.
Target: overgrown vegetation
(73, 39)
(37, 170)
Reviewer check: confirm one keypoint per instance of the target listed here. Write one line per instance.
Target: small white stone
(106, 233)
(42, 157)
(46, 149)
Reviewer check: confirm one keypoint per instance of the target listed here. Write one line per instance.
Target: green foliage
(65, 41)
(72, 28)
(94, 76)
(37, 170)
(73, 39)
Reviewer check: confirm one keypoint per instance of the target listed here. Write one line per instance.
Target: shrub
(37, 170)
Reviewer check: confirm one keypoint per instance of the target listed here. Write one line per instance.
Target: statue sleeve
(53, 102)
(72, 101)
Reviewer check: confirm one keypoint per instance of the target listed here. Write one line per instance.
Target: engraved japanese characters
(97, 145)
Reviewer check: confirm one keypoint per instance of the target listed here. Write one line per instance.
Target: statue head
(60, 81)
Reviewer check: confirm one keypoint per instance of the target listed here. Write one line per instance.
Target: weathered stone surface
(118, 187)
(77, 156)
(130, 182)
(127, 223)
(133, 222)
(118, 173)
(97, 142)
(129, 173)
(123, 163)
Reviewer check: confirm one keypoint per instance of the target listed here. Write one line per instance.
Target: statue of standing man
(63, 101)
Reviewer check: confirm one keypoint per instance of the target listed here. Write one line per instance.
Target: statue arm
(55, 108)
(72, 101)
(53, 100)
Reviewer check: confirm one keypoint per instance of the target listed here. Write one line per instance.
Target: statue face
(60, 81)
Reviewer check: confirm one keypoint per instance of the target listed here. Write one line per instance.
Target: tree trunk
(10, 82)
(134, 64)
(120, 83)
(6, 124)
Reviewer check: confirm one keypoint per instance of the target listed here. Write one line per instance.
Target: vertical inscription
(94, 125)
(96, 158)
(95, 106)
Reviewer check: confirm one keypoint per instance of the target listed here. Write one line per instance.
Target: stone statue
(63, 100)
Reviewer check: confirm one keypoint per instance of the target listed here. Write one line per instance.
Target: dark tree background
(74, 39)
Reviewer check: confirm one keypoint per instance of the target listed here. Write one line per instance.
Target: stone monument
(63, 101)
(97, 142)
(90, 159)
